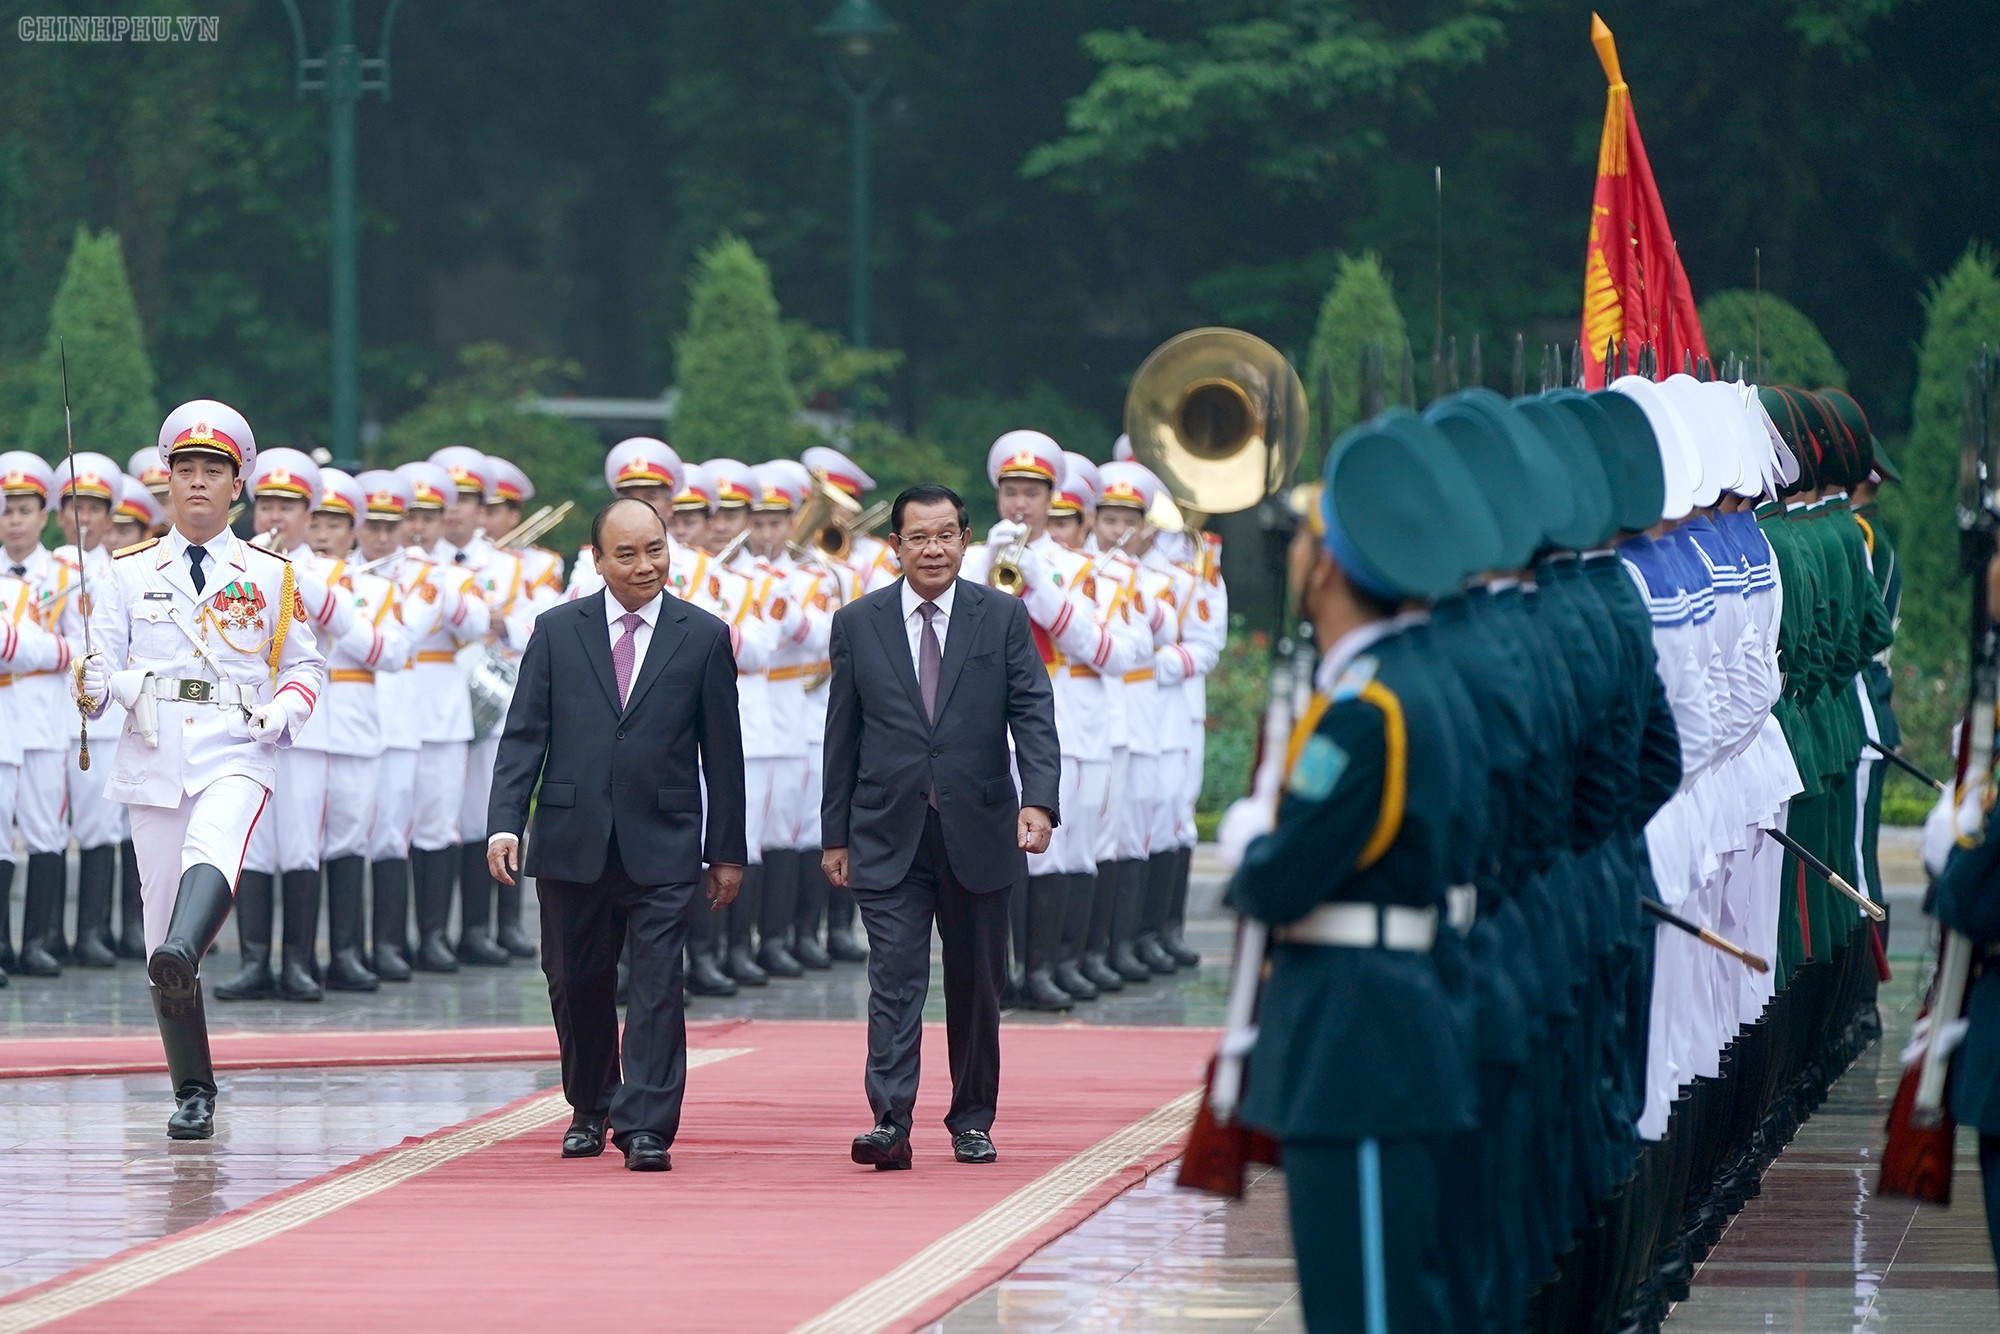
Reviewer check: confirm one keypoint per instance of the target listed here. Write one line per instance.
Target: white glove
(270, 722)
(1940, 835)
(1005, 533)
(1971, 814)
(1169, 666)
(93, 678)
(1034, 569)
(1246, 819)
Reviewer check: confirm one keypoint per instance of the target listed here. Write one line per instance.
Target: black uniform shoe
(194, 1116)
(254, 914)
(885, 1148)
(432, 871)
(973, 1146)
(844, 946)
(742, 966)
(776, 909)
(96, 886)
(298, 977)
(584, 1138)
(1071, 978)
(346, 970)
(387, 922)
(776, 960)
(131, 904)
(476, 888)
(1046, 903)
(740, 960)
(1101, 974)
(184, 1025)
(815, 893)
(647, 1152)
(1154, 955)
(705, 979)
(41, 915)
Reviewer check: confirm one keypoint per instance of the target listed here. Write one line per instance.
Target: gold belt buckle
(194, 692)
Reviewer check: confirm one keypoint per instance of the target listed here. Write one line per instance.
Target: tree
(1962, 313)
(1775, 338)
(485, 406)
(736, 399)
(112, 407)
(1359, 311)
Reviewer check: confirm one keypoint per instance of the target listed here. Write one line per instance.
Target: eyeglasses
(921, 541)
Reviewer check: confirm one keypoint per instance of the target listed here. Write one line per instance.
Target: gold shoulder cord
(286, 595)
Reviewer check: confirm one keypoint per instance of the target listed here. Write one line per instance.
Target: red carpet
(139, 1053)
(762, 1225)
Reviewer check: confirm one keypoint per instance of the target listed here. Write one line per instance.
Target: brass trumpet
(1005, 573)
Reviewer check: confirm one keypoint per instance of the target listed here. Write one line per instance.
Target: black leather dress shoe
(194, 1114)
(884, 1148)
(647, 1152)
(973, 1146)
(584, 1138)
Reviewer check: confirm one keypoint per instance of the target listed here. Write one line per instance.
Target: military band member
(874, 560)
(541, 567)
(402, 707)
(96, 822)
(151, 469)
(204, 639)
(1027, 469)
(45, 719)
(139, 515)
(447, 709)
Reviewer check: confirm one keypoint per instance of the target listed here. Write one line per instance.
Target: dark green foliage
(1773, 336)
(736, 399)
(1236, 698)
(1359, 312)
(112, 407)
(481, 406)
(1962, 313)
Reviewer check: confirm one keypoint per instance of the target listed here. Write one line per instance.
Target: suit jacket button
(936, 754)
(621, 736)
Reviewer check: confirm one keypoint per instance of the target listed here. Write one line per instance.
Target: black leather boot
(41, 915)
(475, 910)
(1097, 943)
(1047, 902)
(298, 979)
(1131, 874)
(184, 1035)
(814, 893)
(774, 918)
(1068, 973)
(131, 904)
(509, 933)
(704, 970)
(389, 921)
(433, 872)
(741, 961)
(201, 905)
(1171, 936)
(346, 970)
(6, 916)
(1157, 873)
(96, 886)
(254, 915)
(843, 931)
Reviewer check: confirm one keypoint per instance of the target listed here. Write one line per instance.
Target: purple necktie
(624, 651)
(930, 659)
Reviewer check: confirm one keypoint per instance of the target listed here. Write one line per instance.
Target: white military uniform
(47, 718)
(195, 778)
(25, 647)
(400, 704)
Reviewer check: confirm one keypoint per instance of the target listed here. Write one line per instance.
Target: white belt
(1461, 907)
(190, 690)
(1363, 926)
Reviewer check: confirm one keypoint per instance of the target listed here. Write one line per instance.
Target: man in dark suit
(931, 675)
(626, 702)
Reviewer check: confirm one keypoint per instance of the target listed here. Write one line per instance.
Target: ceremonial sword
(1754, 962)
(1936, 785)
(1819, 868)
(84, 703)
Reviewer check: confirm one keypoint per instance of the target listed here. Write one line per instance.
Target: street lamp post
(854, 35)
(344, 75)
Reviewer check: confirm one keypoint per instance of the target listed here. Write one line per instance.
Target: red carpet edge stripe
(276, 1214)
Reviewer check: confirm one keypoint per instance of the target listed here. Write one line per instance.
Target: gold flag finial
(1607, 51)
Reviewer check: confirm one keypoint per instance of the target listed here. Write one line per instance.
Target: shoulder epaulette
(146, 545)
(268, 552)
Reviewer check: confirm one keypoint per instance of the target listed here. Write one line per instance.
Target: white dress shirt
(642, 639)
(913, 623)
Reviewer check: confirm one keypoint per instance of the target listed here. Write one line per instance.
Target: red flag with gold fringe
(1634, 289)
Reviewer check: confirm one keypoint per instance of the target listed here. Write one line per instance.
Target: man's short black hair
(597, 522)
(924, 493)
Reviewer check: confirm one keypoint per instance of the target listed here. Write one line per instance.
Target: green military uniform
(1966, 898)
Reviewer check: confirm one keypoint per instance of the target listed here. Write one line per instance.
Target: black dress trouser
(584, 930)
(973, 928)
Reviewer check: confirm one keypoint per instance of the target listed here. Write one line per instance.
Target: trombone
(537, 525)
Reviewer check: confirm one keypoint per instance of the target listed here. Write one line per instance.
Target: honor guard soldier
(502, 580)
(26, 648)
(138, 516)
(203, 638)
(1887, 568)
(799, 599)
(46, 726)
(541, 567)
(95, 821)
(1360, 1067)
(1027, 469)
(402, 708)
(348, 725)
(874, 560)
(447, 731)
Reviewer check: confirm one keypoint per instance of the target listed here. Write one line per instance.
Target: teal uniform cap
(1590, 523)
(1390, 515)
(1631, 457)
(1513, 466)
